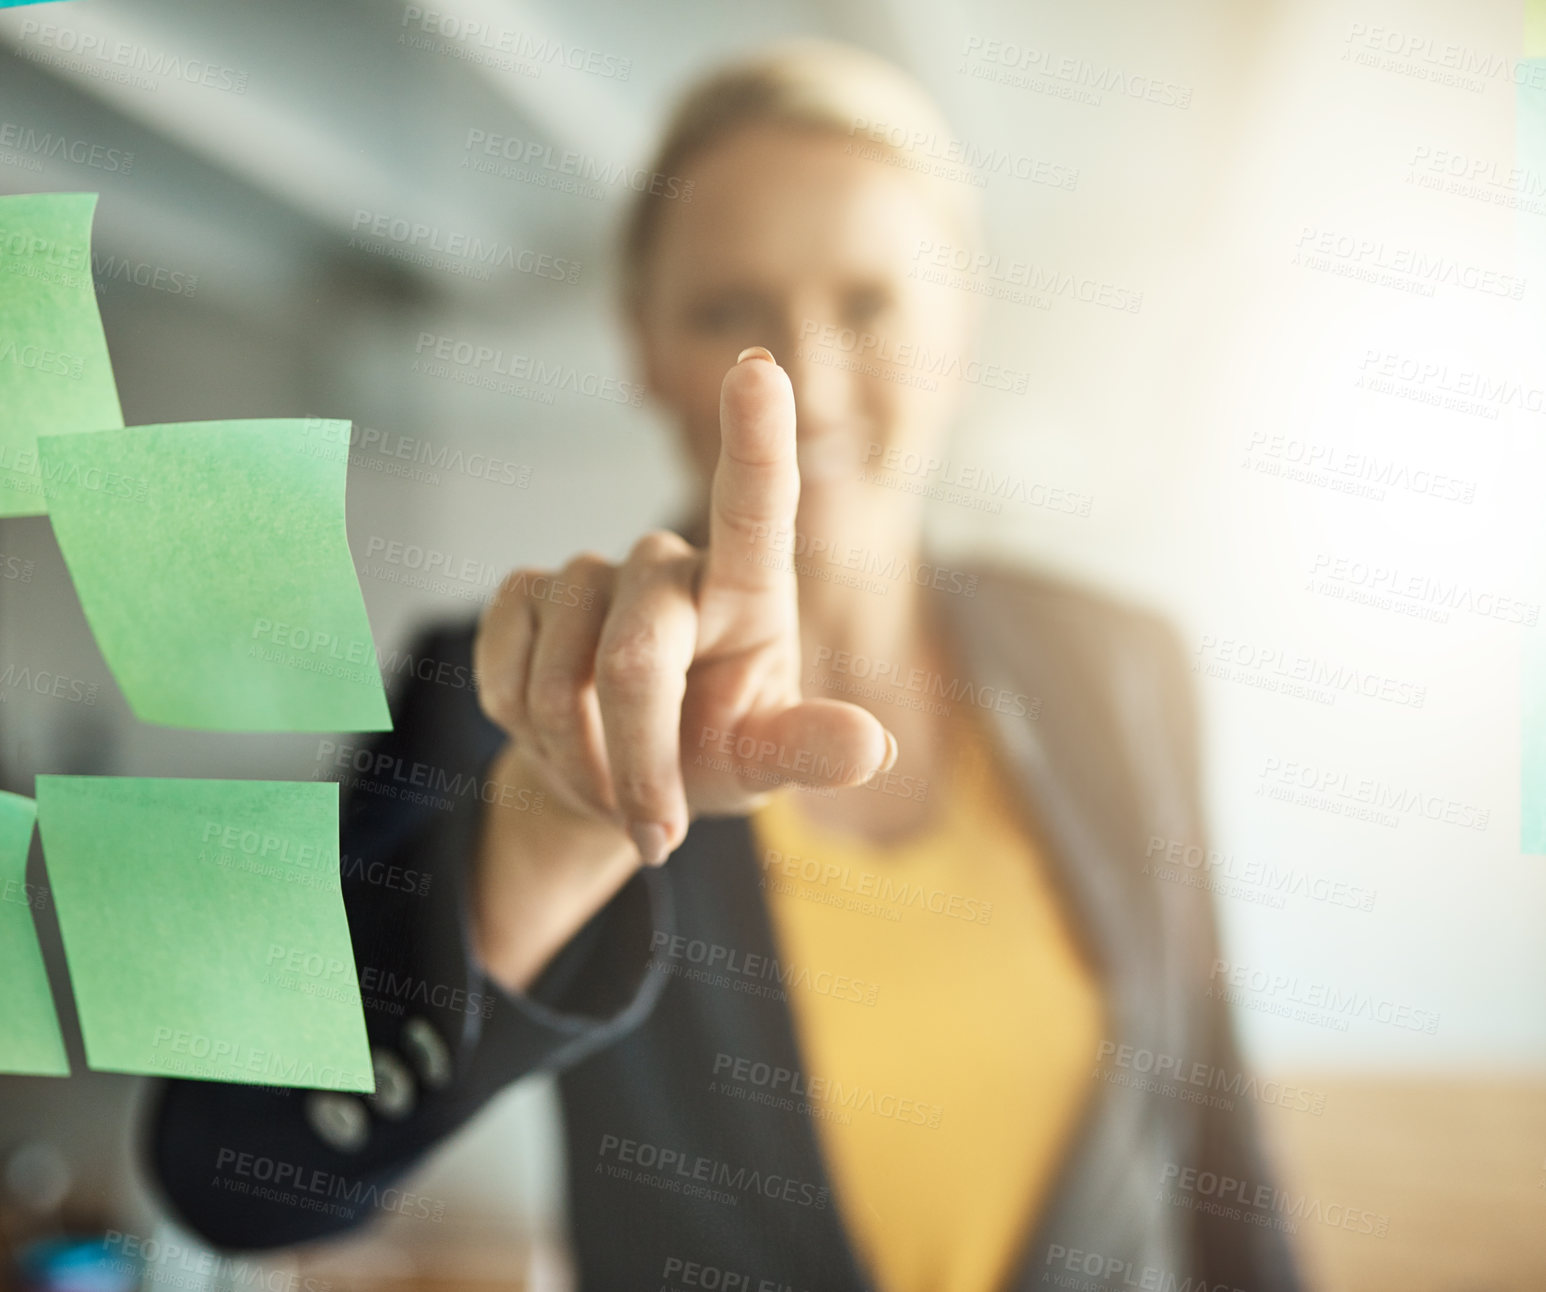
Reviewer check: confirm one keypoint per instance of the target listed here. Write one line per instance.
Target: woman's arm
(251, 1167)
(594, 716)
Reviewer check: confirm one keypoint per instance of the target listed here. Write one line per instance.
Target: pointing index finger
(747, 579)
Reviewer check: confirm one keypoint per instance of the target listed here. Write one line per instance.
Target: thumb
(824, 744)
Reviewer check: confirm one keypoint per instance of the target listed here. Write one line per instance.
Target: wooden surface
(1458, 1166)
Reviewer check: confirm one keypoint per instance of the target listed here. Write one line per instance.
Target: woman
(842, 992)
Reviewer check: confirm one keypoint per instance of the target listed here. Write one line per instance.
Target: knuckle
(638, 791)
(554, 704)
(590, 574)
(499, 702)
(748, 524)
(587, 563)
(631, 661)
(658, 545)
(513, 588)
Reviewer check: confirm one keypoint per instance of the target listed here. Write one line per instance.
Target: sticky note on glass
(213, 565)
(1530, 256)
(1534, 30)
(204, 928)
(54, 370)
(29, 1029)
(1532, 763)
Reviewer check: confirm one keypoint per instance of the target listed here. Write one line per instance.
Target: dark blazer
(663, 1173)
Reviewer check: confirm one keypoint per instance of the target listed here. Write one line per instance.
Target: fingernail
(755, 352)
(650, 840)
(891, 752)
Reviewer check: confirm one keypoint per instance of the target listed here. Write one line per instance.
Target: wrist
(538, 876)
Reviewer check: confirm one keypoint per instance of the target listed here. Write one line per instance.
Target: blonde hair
(803, 84)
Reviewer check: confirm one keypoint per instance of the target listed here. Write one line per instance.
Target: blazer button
(339, 1120)
(396, 1093)
(427, 1052)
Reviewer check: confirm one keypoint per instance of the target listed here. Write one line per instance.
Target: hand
(675, 692)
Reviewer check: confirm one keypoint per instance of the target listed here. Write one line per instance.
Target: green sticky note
(1530, 259)
(29, 1029)
(1534, 28)
(1532, 764)
(204, 928)
(213, 565)
(54, 370)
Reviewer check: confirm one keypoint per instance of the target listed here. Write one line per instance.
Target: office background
(1281, 369)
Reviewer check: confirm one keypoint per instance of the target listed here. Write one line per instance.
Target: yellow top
(944, 1083)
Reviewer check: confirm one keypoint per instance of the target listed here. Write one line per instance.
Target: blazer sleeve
(255, 1167)
(1231, 1253)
